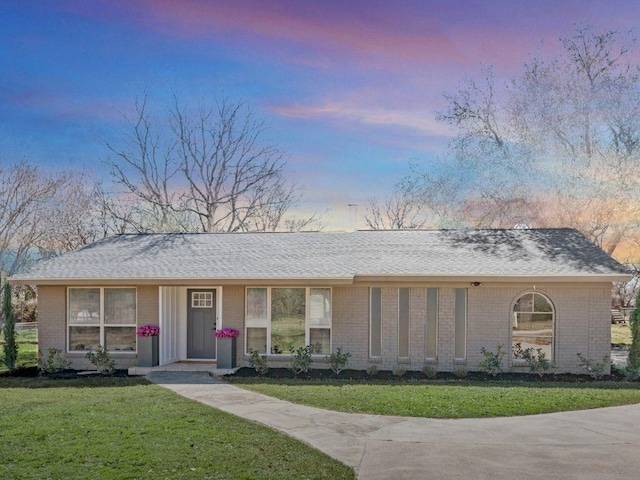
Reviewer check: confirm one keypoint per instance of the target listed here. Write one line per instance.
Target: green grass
(621, 333)
(447, 399)
(27, 341)
(126, 428)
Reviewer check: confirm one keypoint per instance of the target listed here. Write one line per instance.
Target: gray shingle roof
(339, 256)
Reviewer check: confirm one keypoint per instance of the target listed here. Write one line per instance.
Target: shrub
(399, 371)
(618, 370)
(9, 329)
(536, 359)
(338, 361)
(259, 362)
(593, 368)
(429, 371)
(301, 360)
(372, 370)
(631, 374)
(492, 363)
(53, 363)
(102, 361)
(460, 372)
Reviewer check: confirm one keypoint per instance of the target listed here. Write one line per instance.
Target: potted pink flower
(227, 333)
(148, 331)
(148, 354)
(226, 357)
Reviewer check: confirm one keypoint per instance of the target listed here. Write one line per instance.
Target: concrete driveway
(593, 444)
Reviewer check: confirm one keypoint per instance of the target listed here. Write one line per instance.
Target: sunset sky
(349, 88)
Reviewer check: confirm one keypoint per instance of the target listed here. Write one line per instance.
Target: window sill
(83, 353)
(287, 356)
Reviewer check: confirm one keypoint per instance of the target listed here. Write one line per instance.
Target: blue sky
(349, 88)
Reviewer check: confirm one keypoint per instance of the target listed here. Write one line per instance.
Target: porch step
(209, 367)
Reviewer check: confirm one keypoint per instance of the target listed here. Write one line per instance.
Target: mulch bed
(319, 374)
(21, 372)
(33, 372)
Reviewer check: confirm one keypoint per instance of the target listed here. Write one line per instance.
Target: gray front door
(201, 323)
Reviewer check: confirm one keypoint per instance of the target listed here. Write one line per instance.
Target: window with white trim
(532, 325)
(101, 316)
(281, 320)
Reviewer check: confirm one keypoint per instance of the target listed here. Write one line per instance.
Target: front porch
(178, 344)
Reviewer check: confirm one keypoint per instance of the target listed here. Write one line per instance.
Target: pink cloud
(370, 115)
(338, 30)
(385, 34)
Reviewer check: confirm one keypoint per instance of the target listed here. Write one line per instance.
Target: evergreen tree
(634, 351)
(9, 329)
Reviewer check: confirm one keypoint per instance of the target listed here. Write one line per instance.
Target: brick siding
(582, 323)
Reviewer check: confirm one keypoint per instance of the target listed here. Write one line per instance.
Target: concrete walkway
(585, 445)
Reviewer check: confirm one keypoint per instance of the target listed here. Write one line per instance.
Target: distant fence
(26, 326)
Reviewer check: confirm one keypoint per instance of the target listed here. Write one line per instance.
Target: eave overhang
(343, 280)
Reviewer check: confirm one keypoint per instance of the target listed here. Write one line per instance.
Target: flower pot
(226, 353)
(148, 351)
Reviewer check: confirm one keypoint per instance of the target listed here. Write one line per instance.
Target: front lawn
(27, 341)
(446, 399)
(127, 428)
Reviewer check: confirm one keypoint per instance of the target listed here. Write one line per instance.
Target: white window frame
(307, 325)
(199, 297)
(102, 323)
(520, 361)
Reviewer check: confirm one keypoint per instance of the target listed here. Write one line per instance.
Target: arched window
(532, 325)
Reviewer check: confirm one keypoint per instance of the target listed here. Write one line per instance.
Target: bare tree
(80, 213)
(145, 166)
(28, 200)
(557, 146)
(395, 212)
(208, 171)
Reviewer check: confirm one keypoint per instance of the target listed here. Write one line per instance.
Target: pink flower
(148, 331)
(227, 333)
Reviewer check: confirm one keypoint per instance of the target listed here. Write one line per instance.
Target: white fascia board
(182, 281)
(584, 278)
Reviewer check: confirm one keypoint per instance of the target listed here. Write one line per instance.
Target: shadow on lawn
(474, 379)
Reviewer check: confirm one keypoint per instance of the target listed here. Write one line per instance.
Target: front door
(201, 323)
